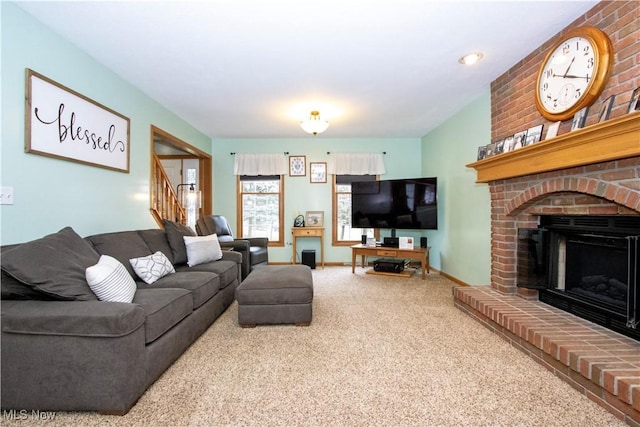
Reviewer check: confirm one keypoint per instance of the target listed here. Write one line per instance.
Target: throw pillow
(110, 280)
(201, 249)
(54, 265)
(152, 267)
(175, 233)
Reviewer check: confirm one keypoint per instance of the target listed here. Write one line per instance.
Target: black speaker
(309, 258)
(423, 242)
(363, 240)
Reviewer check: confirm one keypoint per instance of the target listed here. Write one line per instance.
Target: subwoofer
(309, 258)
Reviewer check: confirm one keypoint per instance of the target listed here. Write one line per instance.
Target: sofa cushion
(71, 318)
(122, 245)
(11, 288)
(201, 249)
(110, 281)
(152, 267)
(202, 285)
(226, 270)
(156, 240)
(163, 309)
(54, 265)
(175, 233)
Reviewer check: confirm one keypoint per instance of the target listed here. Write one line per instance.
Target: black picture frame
(482, 152)
(534, 134)
(509, 143)
(634, 103)
(579, 119)
(605, 109)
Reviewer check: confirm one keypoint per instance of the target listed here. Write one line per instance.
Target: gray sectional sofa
(63, 349)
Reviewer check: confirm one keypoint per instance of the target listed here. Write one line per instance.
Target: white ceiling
(255, 68)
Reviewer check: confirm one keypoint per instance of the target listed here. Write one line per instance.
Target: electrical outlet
(6, 195)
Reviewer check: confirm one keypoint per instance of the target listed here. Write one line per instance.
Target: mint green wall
(461, 247)
(49, 193)
(401, 161)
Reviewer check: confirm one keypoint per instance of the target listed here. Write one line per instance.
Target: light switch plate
(6, 195)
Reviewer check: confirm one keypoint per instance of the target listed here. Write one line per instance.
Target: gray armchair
(253, 249)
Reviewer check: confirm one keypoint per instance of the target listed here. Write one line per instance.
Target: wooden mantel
(613, 139)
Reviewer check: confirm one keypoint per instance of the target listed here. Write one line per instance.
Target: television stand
(419, 254)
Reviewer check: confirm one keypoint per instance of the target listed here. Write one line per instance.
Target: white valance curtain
(356, 164)
(260, 164)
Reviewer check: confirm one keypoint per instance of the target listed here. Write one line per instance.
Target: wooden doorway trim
(204, 160)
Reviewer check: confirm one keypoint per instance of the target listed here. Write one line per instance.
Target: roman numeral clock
(574, 73)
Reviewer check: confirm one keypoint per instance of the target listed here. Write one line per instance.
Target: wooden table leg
(353, 261)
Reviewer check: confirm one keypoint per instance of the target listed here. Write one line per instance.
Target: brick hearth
(601, 364)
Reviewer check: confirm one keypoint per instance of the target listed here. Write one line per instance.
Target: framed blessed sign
(64, 124)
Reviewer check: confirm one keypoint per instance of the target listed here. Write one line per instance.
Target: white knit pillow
(110, 280)
(152, 267)
(201, 249)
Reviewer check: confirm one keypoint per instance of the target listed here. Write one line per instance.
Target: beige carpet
(380, 351)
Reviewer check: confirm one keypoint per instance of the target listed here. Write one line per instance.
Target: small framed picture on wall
(317, 172)
(297, 166)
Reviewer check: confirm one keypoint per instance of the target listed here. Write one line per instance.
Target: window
(260, 207)
(343, 234)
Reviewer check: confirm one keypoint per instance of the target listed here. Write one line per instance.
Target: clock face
(574, 73)
(567, 74)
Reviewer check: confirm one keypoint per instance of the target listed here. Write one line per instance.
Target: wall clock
(574, 73)
(297, 166)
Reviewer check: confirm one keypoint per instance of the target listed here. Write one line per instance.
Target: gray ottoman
(276, 295)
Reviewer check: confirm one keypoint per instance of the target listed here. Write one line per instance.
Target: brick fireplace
(594, 171)
(590, 171)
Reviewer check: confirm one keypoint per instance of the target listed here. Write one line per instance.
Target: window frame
(334, 216)
(239, 219)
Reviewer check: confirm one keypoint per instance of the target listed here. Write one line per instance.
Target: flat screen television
(406, 204)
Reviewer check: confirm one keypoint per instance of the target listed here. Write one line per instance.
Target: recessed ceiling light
(471, 58)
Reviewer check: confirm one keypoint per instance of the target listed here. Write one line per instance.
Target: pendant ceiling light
(314, 124)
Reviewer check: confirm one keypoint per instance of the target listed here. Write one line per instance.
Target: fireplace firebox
(586, 265)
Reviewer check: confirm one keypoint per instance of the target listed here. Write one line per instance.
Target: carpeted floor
(380, 351)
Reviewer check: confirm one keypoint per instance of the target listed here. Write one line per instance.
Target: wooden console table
(308, 232)
(421, 254)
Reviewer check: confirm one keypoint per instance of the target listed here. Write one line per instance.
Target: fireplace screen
(595, 268)
(588, 267)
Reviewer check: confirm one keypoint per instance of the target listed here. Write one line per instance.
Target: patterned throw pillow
(152, 267)
(110, 280)
(201, 249)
